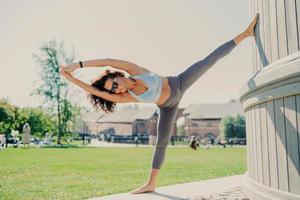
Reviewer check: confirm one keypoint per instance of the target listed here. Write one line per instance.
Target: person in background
(2, 141)
(194, 142)
(26, 135)
(136, 141)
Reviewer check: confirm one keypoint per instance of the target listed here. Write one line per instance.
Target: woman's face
(121, 86)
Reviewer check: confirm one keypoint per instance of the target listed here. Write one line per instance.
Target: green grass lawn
(81, 173)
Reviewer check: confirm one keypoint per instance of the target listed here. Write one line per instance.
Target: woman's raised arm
(117, 98)
(115, 63)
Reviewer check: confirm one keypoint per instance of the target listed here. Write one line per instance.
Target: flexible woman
(145, 86)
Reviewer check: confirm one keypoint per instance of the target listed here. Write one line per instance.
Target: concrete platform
(229, 187)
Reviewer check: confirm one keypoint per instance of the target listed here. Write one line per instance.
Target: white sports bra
(154, 84)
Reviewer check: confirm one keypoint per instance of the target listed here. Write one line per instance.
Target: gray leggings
(179, 84)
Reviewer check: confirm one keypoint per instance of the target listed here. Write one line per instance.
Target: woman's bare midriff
(165, 91)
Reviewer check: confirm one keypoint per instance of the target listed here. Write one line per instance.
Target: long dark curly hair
(98, 102)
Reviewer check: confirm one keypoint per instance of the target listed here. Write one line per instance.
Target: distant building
(126, 120)
(129, 120)
(87, 124)
(204, 119)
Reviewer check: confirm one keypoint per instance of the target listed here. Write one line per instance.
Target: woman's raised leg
(195, 71)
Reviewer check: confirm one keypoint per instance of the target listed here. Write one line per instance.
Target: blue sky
(165, 36)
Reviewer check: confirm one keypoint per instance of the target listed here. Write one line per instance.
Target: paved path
(96, 143)
(229, 187)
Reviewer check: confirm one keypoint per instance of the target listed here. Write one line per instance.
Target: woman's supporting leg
(195, 71)
(165, 126)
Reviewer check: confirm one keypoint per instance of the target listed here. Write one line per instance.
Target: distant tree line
(232, 127)
(41, 121)
(13, 118)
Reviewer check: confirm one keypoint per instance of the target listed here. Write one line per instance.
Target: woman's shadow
(167, 196)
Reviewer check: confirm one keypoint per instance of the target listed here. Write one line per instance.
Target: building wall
(277, 31)
(94, 127)
(271, 102)
(152, 124)
(146, 126)
(203, 127)
(116, 128)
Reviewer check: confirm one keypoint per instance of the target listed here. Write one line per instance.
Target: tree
(227, 127)
(7, 116)
(181, 130)
(39, 120)
(240, 126)
(71, 113)
(233, 127)
(53, 88)
(14, 118)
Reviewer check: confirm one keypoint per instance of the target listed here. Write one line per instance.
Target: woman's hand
(250, 29)
(66, 74)
(70, 68)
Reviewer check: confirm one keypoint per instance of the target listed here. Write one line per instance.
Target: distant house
(204, 119)
(87, 124)
(129, 120)
(133, 120)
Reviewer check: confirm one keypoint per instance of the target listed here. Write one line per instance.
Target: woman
(145, 86)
